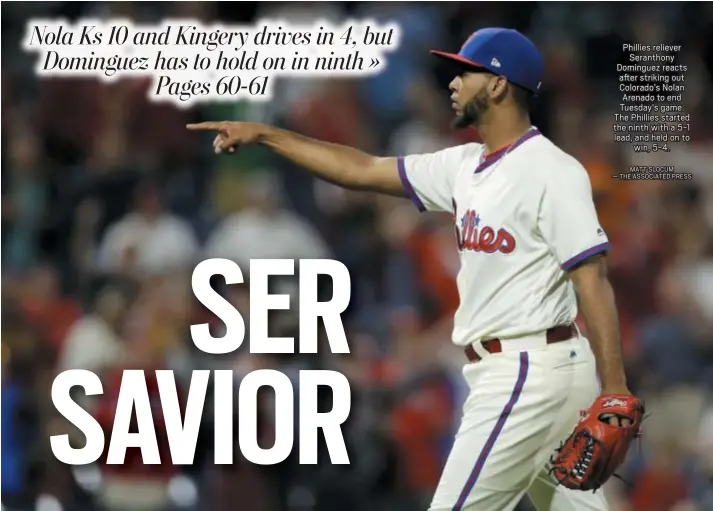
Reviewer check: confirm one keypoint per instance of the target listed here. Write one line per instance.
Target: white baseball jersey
(524, 215)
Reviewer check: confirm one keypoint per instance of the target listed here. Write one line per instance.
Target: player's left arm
(570, 225)
(595, 297)
(600, 441)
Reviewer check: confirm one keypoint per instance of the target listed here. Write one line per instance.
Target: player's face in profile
(470, 98)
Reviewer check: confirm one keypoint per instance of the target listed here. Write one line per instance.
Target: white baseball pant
(522, 403)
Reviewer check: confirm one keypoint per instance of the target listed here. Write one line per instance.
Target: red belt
(554, 334)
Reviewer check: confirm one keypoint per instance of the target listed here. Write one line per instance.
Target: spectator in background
(684, 300)
(684, 365)
(133, 484)
(423, 408)
(149, 240)
(292, 90)
(661, 484)
(387, 94)
(95, 341)
(158, 323)
(19, 431)
(702, 479)
(265, 229)
(432, 247)
(28, 466)
(44, 305)
(24, 198)
(321, 113)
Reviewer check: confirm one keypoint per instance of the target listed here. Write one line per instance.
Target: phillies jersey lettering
(471, 235)
(524, 216)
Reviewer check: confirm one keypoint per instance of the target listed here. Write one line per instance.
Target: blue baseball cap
(504, 52)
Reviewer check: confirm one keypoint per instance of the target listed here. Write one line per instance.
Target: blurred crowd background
(108, 203)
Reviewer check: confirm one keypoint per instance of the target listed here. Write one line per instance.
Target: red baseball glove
(591, 454)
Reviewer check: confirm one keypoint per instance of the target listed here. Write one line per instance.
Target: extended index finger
(205, 126)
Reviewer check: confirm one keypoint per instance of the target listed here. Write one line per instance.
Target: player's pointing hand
(230, 135)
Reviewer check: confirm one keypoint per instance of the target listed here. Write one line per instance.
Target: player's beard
(473, 111)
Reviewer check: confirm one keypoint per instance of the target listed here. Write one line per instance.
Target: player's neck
(503, 132)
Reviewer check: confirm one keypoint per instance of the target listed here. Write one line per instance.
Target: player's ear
(498, 87)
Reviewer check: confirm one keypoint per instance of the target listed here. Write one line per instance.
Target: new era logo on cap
(504, 52)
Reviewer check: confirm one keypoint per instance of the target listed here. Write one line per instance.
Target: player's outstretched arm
(341, 165)
(596, 300)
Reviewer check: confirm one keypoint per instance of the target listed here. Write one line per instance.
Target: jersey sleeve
(429, 179)
(568, 218)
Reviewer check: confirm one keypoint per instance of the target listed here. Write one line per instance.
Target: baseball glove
(591, 454)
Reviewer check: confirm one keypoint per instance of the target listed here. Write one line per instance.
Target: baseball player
(532, 251)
